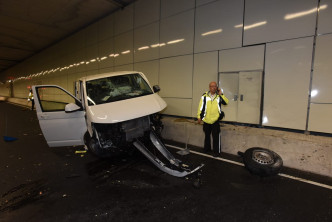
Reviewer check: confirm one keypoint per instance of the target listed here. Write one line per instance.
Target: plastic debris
(9, 139)
(183, 152)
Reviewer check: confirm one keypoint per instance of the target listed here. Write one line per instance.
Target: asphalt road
(39, 183)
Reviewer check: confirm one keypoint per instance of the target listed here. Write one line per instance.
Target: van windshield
(116, 88)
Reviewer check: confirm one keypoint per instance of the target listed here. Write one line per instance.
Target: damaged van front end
(110, 113)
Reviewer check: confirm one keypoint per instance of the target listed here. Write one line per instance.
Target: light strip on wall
(212, 32)
(125, 52)
(257, 24)
(303, 13)
(143, 47)
(175, 41)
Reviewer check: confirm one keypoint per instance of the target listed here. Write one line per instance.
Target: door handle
(235, 97)
(241, 97)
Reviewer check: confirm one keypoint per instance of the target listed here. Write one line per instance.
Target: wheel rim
(262, 157)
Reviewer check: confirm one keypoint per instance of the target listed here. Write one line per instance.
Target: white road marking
(241, 164)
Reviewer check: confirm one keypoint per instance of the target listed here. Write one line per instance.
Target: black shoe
(216, 154)
(206, 151)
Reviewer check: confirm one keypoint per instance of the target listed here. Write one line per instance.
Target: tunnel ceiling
(29, 26)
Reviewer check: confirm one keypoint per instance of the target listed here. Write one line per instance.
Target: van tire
(262, 162)
(93, 146)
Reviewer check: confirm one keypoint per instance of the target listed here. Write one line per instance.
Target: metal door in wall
(243, 89)
(229, 84)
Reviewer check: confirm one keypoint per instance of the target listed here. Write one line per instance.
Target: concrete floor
(39, 183)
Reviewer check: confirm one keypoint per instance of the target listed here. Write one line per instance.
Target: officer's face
(213, 87)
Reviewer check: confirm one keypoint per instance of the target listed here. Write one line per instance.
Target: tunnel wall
(183, 45)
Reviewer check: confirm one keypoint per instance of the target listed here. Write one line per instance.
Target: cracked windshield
(116, 88)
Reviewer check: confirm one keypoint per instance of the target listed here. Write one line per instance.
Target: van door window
(54, 99)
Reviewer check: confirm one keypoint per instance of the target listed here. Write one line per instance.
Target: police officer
(209, 111)
(30, 98)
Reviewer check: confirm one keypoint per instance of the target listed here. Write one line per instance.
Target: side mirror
(71, 107)
(156, 88)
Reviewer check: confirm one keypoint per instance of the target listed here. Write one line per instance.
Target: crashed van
(109, 113)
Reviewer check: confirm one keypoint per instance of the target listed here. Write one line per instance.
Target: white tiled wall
(202, 2)
(176, 77)
(171, 7)
(106, 48)
(123, 47)
(242, 59)
(182, 45)
(106, 28)
(177, 34)
(124, 20)
(146, 12)
(320, 118)
(178, 106)
(322, 76)
(124, 67)
(146, 39)
(215, 25)
(267, 21)
(325, 17)
(205, 69)
(150, 70)
(287, 77)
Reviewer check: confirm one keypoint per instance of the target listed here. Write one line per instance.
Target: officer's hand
(199, 120)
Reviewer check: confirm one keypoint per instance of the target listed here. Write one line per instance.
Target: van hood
(124, 110)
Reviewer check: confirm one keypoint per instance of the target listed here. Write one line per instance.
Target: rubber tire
(267, 169)
(94, 147)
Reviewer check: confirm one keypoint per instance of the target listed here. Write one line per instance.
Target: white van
(110, 113)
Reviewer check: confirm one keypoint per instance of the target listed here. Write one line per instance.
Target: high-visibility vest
(30, 96)
(209, 109)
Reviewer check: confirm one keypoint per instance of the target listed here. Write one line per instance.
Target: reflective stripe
(219, 104)
(202, 98)
(204, 107)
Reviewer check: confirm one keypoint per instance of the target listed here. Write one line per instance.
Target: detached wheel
(262, 162)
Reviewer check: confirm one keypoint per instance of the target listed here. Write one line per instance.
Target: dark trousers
(215, 130)
(32, 104)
